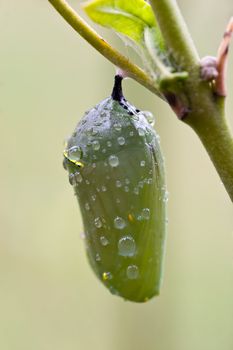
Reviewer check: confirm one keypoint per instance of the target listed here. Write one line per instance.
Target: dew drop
(140, 184)
(113, 161)
(132, 272)
(104, 188)
(72, 179)
(121, 140)
(126, 188)
(117, 126)
(142, 163)
(93, 197)
(98, 223)
(118, 183)
(95, 145)
(136, 191)
(149, 116)
(149, 181)
(109, 143)
(104, 241)
(78, 177)
(166, 194)
(94, 131)
(106, 276)
(141, 132)
(74, 153)
(97, 257)
(87, 206)
(127, 246)
(131, 133)
(146, 213)
(119, 223)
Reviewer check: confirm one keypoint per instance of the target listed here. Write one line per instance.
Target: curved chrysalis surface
(116, 167)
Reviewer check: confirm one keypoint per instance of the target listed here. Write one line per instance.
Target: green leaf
(129, 18)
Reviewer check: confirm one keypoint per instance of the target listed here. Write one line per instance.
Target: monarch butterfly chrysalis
(116, 167)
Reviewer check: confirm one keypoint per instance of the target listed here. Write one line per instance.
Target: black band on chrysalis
(117, 94)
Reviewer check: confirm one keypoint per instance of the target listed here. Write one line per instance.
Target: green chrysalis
(116, 167)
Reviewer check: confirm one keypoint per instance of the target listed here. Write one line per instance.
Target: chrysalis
(116, 168)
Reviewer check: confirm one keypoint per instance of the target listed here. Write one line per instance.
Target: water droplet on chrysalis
(119, 223)
(127, 246)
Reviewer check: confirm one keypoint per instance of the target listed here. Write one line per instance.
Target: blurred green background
(49, 297)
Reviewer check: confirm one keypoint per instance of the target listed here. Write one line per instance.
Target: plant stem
(175, 33)
(80, 26)
(213, 131)
(206, 111)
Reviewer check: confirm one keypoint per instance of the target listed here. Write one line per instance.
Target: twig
(175, 33)
(94, 39)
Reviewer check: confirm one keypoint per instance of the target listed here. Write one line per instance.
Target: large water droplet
(119, 223)
(132, 272)
(95, 145)
(113, 161)
(127, 246)
(74, 153)
(98, 222)
(104, 241)
(121, 140)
